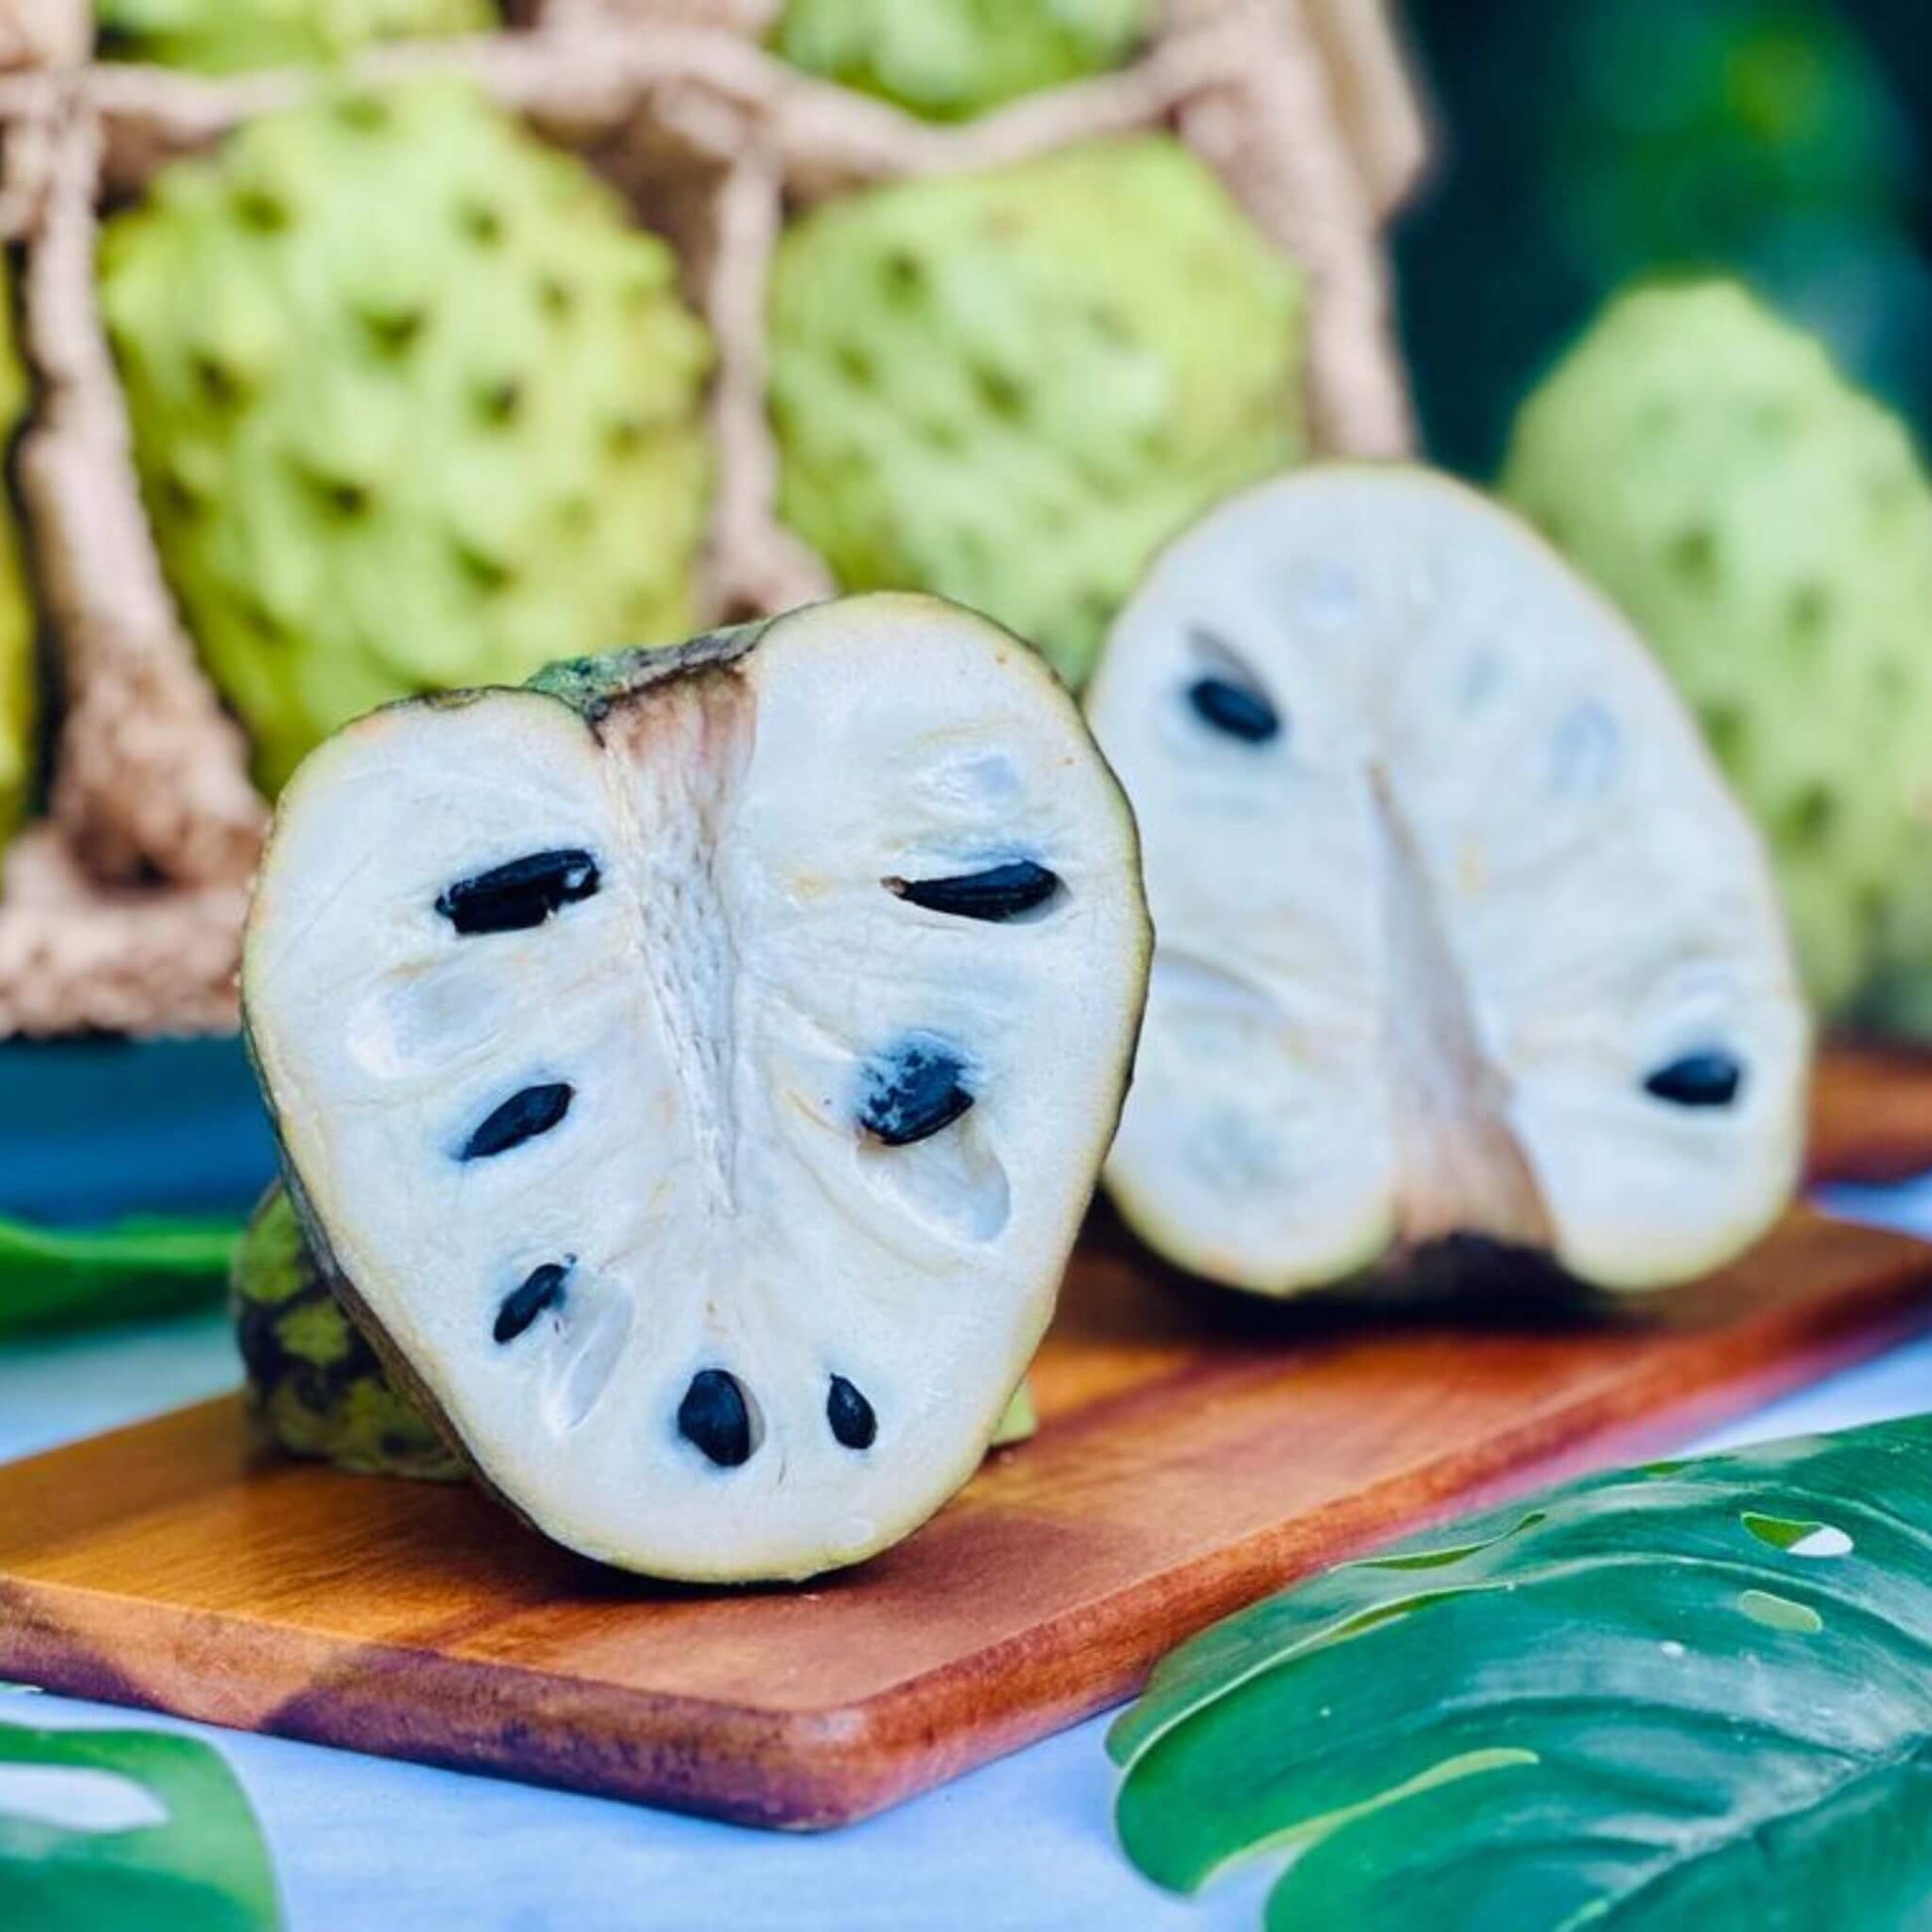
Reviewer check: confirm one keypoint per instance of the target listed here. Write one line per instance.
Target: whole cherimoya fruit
(949, 59)
(691, 1070)
(1769, 528)
(1460, 932)
(226, 36)
(413, 408)
(20, 707)
(1011, 388)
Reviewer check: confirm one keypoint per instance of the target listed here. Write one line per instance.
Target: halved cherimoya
(691, 1069)
(1460, 931)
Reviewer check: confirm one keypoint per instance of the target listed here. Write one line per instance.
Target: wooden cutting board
(1871, 1114)
(1195, 1451)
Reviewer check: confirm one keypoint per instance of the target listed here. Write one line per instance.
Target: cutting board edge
(815, 1769)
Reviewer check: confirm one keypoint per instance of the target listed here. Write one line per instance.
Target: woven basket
(123, 910)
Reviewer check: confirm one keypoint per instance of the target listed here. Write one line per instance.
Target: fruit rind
(1768, 528)
(414, 406)
(314, 1382)
(232, 36)
(1012, 387)
(950, 59)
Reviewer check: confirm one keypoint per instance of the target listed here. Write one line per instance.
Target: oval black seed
(714, 1418)
(1712, 1078)
(524, 893)
(998, 892)
(850, 1413)
(543, 1288)
(911, 1093)
(1234, 709)
(522, 1117)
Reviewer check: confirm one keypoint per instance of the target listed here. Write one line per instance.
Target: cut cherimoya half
(1460, 932)
(692, 1068)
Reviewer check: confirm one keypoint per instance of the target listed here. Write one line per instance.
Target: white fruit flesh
(725, 1010)
(1423, 944)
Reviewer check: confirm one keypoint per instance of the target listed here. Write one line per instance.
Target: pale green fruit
(227, 36)
(414, 406)
(949, 59)
(1012, 388)
(1768, 528)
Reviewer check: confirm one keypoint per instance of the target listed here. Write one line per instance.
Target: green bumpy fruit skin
(315, 1383)
(319, 1389)
(20, 708)
(413, 408)
(230, 36)
(1012, 388)
(1769, 528)
(949, 59)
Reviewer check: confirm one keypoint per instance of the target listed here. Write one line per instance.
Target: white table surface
(1021, 1846)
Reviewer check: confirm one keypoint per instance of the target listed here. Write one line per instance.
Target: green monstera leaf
(107, 1830)
(155, 1264)
(1695, 1694)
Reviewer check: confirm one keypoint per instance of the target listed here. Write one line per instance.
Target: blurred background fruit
(948, 60)
(1768, 528)
(1011, 388)
(414, 405)
(226, 36)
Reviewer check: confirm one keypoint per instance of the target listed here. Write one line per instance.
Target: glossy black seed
(912, 1092)
(1234, 709)
(850, 1413)
(522, 1117)
(714, 1418)
(524, 893)
(997, 892)
(543, 1288)
(1712, 1078)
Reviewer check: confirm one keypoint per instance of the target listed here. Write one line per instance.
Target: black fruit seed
(1234, 709)
(912, 1092)
(543, 1288)
(1710, 1078)
(998, 892)
(853, 1423)
(524, 893)
(713, 1418)
(522, 1117)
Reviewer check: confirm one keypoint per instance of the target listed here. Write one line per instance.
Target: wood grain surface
(1195, 1451)
(1871, 1114)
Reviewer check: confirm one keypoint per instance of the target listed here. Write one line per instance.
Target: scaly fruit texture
(692, 1069)
(1011, 388)
(1769, 528)
(413, 407)
(20, 704)
(320, 1391)
(315, 1383)
(949, 59)
(1459, 932)
(228, 36)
